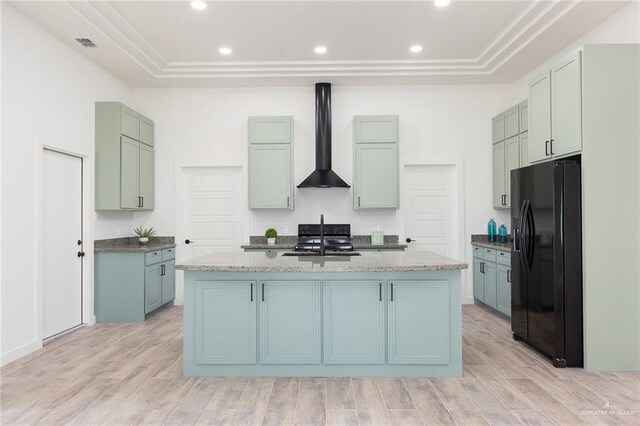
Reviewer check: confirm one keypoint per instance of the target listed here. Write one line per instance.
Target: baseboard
(23, 350)
(467, 301)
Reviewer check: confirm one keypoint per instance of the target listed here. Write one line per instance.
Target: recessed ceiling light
(225, 51)
(416, 49)
(442, 3)
(320, 50)
(198, 5)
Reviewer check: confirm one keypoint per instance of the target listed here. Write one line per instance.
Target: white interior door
(62, 229)
(432, 215)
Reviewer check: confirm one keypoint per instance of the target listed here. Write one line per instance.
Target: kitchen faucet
(321, 235)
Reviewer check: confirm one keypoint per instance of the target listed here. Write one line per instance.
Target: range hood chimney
(323, 176)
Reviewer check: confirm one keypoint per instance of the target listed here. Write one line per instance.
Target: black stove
(337, 238)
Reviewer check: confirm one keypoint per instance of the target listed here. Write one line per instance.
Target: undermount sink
(326, 253)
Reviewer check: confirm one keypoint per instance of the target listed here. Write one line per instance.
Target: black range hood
(323, 176)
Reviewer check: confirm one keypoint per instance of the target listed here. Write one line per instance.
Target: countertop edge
(141, 249)
(413, 268)
(495, 246)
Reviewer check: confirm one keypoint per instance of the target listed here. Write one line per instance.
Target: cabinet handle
(161, 270)
(551, 146)
(380, 291)
(392, 292)
(508, 275)
(358, 201)
(252, 292)
(482, 267)
(287, 201)
(546, 148)
(263, 292)
(139, 201)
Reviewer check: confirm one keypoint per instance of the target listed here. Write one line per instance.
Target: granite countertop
(481, 240)
(287, 242)
(131, 245)
(387, 261)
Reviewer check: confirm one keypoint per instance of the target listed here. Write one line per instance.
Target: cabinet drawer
(152, 257)
(168, 254)
(478, 252)
(489, 254)
(504, 258)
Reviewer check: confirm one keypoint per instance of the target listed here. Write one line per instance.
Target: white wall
(48, 95)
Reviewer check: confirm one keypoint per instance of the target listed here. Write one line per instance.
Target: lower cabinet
(152, 287)
(169, 281)
(232, 304)
(353, 322)
(290, 322)
(492, 279)
(490, 284)
(418, 322)
(503, 303)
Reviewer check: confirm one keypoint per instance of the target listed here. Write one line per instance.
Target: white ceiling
(169, 44)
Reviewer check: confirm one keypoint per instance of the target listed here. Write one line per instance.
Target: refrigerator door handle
(515, 240)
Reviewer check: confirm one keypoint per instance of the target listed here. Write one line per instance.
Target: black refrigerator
(546, 259)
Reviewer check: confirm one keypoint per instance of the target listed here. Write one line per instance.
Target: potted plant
(271, 235)
(144, 234)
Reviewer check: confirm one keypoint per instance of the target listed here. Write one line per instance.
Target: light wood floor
(132, 374)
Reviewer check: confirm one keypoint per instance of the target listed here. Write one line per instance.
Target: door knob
(188, 241)
(80, 254)
(79, 242)
(409, 240)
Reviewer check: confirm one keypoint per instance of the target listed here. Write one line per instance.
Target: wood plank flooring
(119, 374)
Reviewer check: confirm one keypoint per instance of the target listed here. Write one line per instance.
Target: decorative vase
(271, 241)
(143, 240)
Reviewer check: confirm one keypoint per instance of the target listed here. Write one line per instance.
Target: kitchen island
(377, 314)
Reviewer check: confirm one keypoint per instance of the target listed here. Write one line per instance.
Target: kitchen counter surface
(131, 245)
(287, 242)
(482, 241)
(389, 261)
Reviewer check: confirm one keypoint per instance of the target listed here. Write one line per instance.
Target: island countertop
(366, 262)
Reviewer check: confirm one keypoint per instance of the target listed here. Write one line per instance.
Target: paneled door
(210, 213)
(431, 218)
(539, 116)
(62, 243)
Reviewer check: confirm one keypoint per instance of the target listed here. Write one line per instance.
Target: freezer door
(519, 304)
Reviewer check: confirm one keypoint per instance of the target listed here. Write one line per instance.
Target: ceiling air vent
(85, 42)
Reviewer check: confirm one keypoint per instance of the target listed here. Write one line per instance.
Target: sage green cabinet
(555, 111)
(498, 129)
(524, 149)
(232, 303)
(499, 167)
(492, 278)
(478, 280)
(290, 322)
(512, 122)
(130, 285)
(353, 322)
(489, 270)
(271, 163)
(503, 302)
(418, 322)
(124, 159)
(375, 162)
(523, 113)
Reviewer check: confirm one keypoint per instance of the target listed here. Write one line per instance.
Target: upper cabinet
(124, 158)
(375, 162)
(271, 163)
(510, 138)
(555, 111)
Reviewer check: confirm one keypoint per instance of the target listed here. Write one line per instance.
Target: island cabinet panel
(418, 322)
(290, 322)
(353, 322)
(233, 305)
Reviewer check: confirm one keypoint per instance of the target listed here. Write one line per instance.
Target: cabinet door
(147, 200)
(478, 280)
(271, 130)
(129, 173)
(169, 282)
(130, 124)
(376, 129)
(566, 107)
(353, 322)
(539, 117)
(490, 284)
(376, 176)
(498, 128)
(524, 149)
(511, 122)
(146, 131)
(498, 175)
(523, 112)
(504, 289)
(418, 322)
(152, 287)
(225, 322)
(270, 177)
(290, 322)
(512, 162)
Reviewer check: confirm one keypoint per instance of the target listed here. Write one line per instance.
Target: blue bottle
(502, 234)
(491, 230)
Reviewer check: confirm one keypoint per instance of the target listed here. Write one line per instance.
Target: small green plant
(271, 233)
(144, 232)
